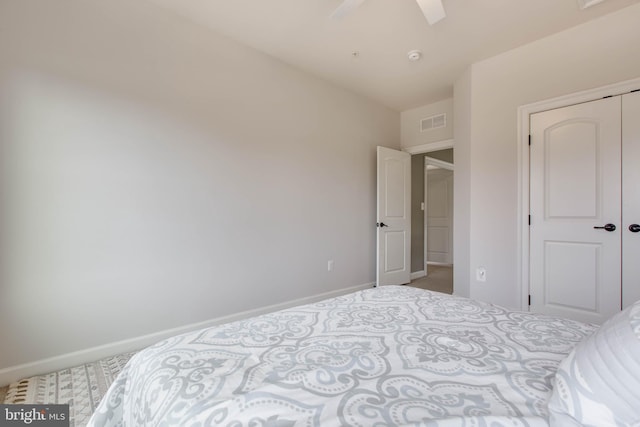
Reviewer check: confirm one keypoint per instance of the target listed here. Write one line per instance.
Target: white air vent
(433, 122)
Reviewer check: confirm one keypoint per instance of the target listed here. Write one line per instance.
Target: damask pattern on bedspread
(384, 356)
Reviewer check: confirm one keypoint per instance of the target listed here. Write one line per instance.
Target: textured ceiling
(302, 33)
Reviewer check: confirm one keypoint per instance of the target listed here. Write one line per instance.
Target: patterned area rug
(82, 387)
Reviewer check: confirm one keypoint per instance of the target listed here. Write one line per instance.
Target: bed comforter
(388, 356)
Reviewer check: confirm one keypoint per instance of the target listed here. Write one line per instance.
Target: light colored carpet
(439, 279)
(3, 393)
(82, 387)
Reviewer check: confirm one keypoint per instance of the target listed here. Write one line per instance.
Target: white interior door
(393, 217)
(439, 215)
(630, 198)
(575, 187)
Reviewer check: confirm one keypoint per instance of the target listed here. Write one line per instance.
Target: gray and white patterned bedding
(387, 356)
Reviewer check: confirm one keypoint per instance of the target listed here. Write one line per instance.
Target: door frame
(429, 147)
(421, 149)
(524, 112)
(443, 165)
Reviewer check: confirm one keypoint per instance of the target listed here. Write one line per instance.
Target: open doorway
(432, 220)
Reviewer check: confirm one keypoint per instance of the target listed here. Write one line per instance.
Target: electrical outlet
(481, 274)
(330, 265)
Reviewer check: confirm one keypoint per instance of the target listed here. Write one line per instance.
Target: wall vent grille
(433, 122)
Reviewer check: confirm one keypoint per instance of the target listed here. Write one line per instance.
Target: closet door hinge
(529, 140)
(529, 219)
(529, 300)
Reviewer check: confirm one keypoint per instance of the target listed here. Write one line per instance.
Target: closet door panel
(575, 190)
(630, 198)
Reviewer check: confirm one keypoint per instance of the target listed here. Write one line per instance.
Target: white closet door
(630, 198)
(576, 186)
(439, 215)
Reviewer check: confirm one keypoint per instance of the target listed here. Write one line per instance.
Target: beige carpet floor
(439, 279)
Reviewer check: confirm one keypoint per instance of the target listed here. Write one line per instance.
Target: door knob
(634, 228)
(608, 227)
(381, 224)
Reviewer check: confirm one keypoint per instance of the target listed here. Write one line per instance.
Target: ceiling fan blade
(433, 10)
(345, 7)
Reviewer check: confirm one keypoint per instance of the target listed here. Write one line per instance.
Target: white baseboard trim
(418, 274)
(442, 264)
(56, 363)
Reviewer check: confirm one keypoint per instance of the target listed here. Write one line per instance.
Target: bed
(389, 356)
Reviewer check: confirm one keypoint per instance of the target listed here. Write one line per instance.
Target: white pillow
(598, 384)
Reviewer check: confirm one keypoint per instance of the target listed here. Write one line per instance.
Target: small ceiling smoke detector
(414, 55)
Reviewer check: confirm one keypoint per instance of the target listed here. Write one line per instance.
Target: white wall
(410, 124)
(462, 185)
(594, 54)
(154, 174)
